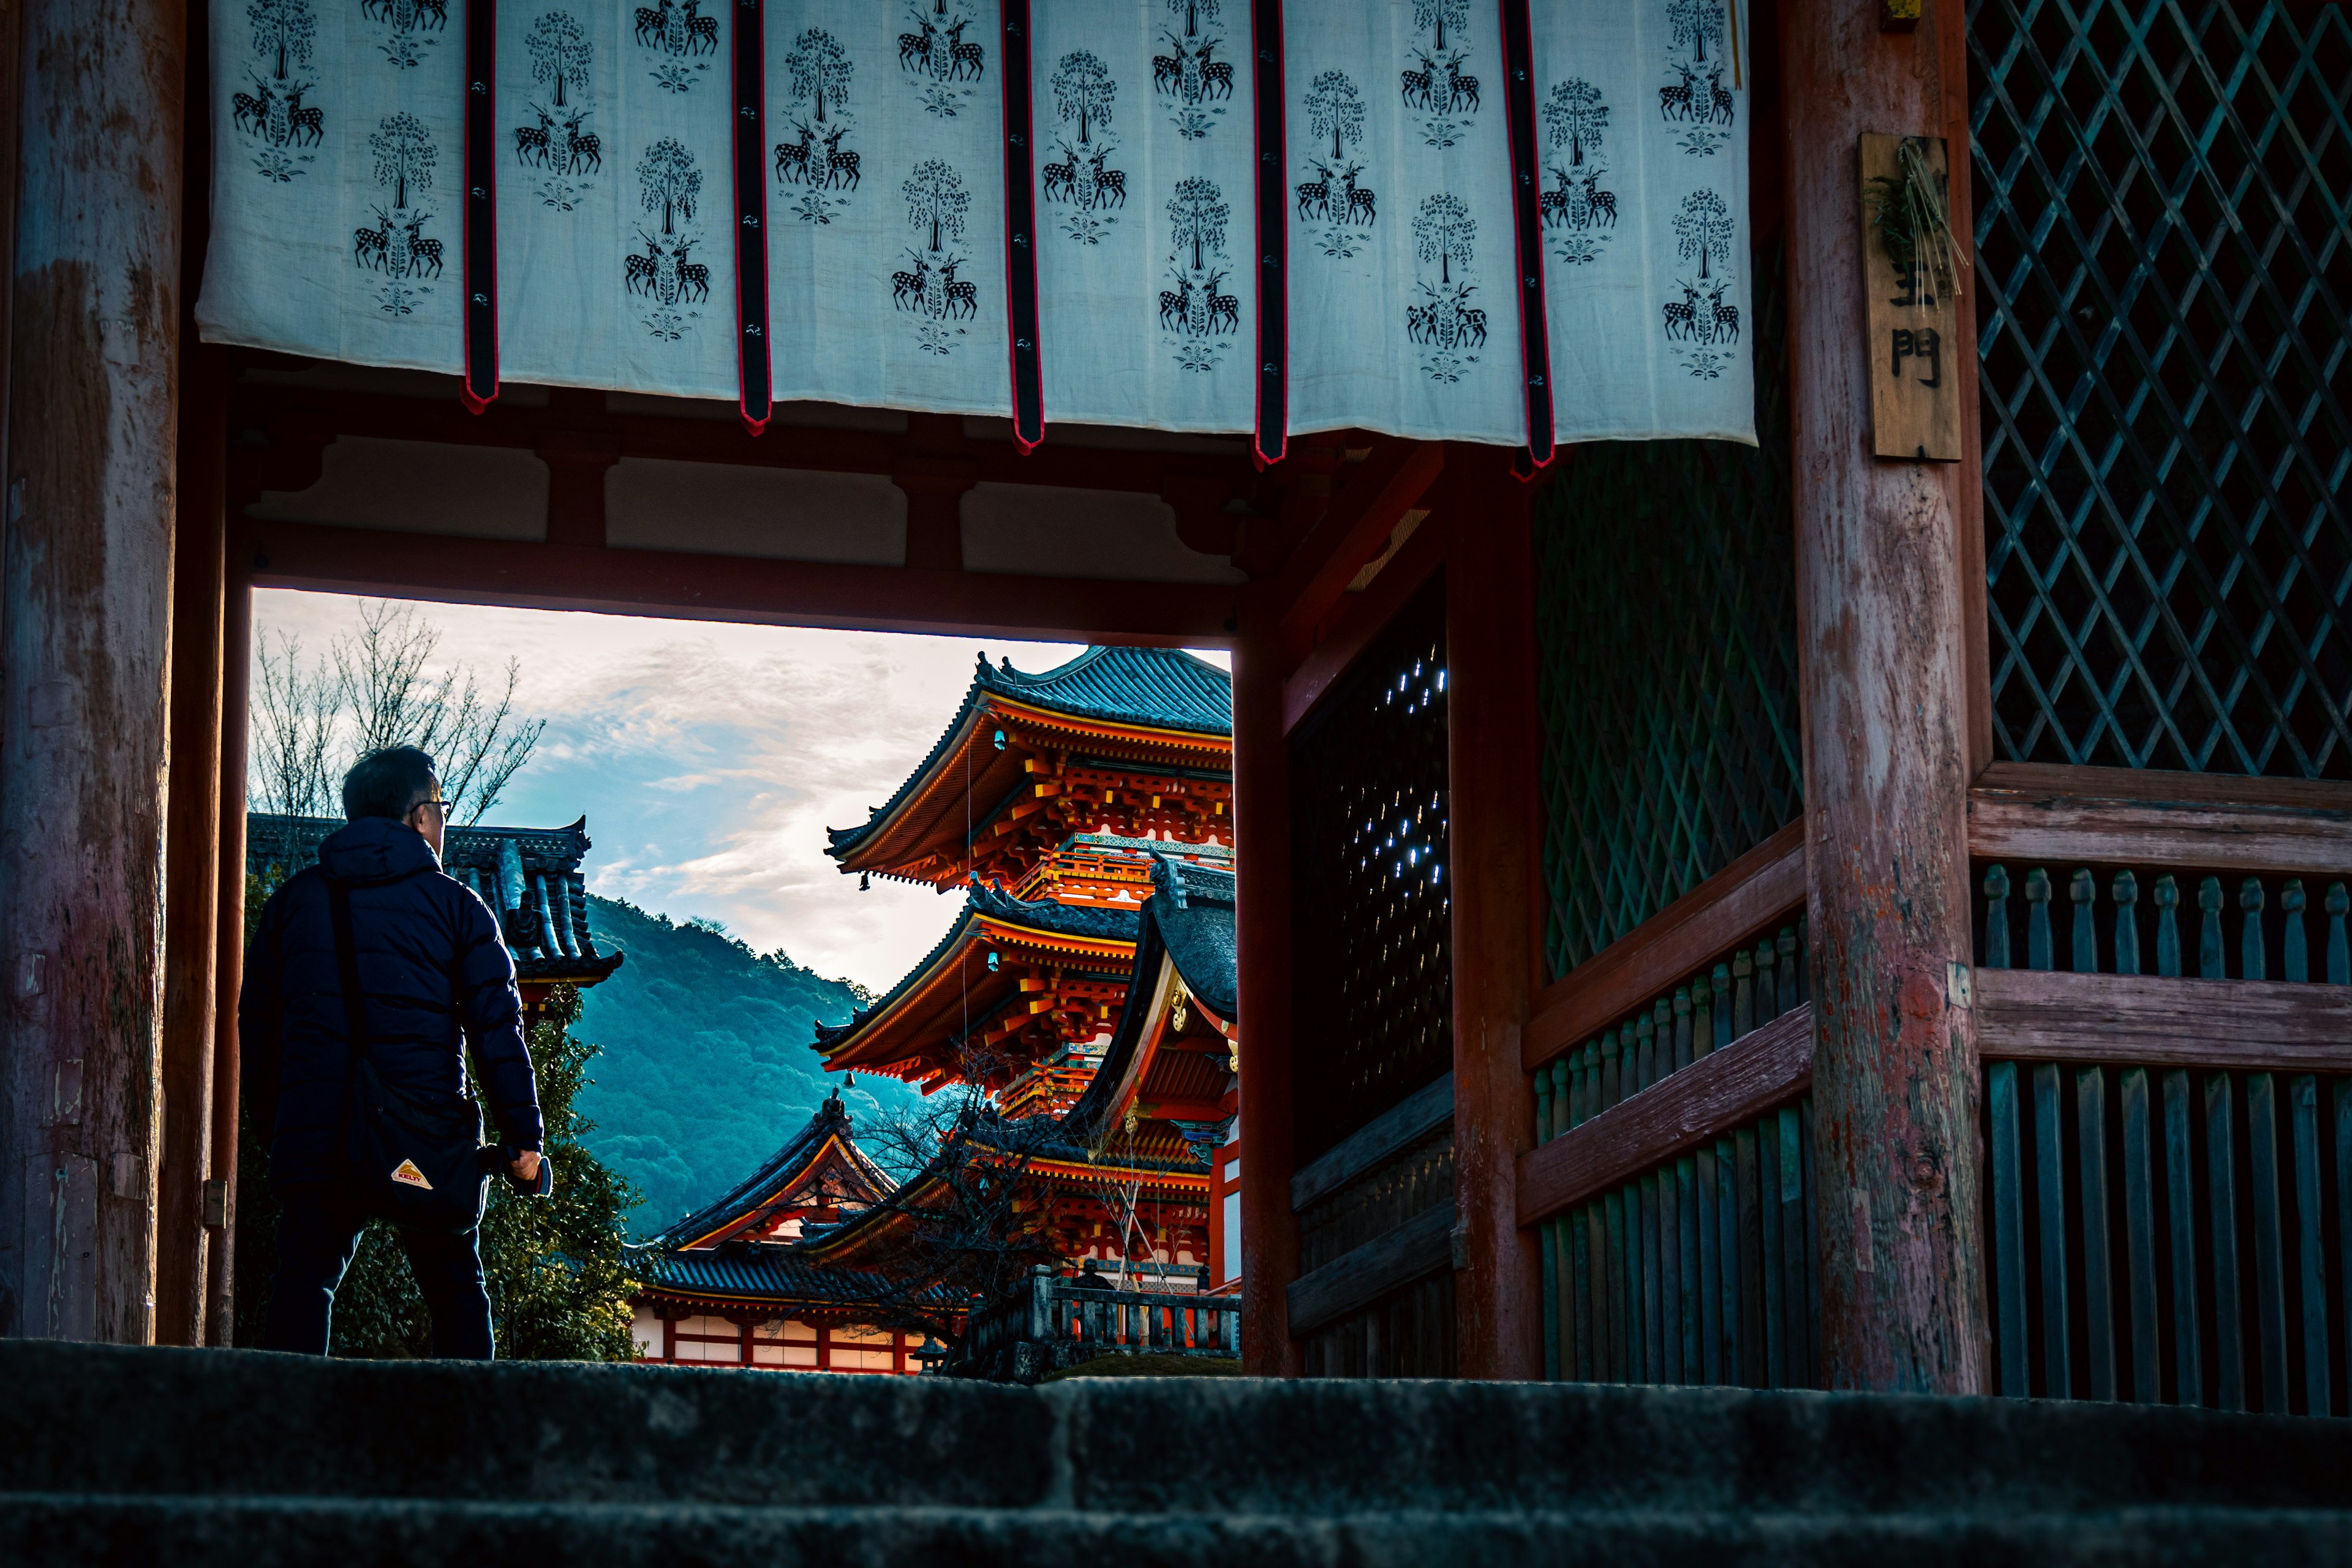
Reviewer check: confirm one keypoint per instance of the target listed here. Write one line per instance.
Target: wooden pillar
(935, 471)
(85, 620)
(1491, 760)
(1262, 850)
(1885, 681)
(578, 455)
(228, 947)
(193, 860)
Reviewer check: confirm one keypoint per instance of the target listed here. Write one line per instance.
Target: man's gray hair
(389, 783)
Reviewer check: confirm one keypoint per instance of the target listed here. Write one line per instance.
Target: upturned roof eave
(986, 916)
(1028, 698)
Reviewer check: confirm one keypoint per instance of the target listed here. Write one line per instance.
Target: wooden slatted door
(1372, 1011)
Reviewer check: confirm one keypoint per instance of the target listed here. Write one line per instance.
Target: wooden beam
(733, 588)
(1364, 617)
(1356, 528)
(1422, 1113)
(1720, 1091)
(312, 415)
(1751, 895)
(2040, 814)
(1884, 660)
(2048, 1016)
(1422, 1245)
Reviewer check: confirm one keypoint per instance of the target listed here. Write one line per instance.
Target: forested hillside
(706, 1068)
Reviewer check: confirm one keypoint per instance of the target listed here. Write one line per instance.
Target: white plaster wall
(737, 509)
(419, 487)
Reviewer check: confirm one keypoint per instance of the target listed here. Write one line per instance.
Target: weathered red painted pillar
(220, 1217)
(192, 886)
(85, 620)
(1491, 743)
(1262, 850)
(1885, 680)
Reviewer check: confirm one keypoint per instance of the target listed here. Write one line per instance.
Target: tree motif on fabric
(403, 157)
(1198, 86)
(1448, 330)
(280, 131)
(936, 203)
(1442, 233)
(1696, 24)
(1576, 120)
(668, 183)
(1335, 109)
(827, 171)
(561, 54)
(1197, 322)
(819, 69)
(559, 145)
(398, 247)
(1704, 324)
(1084, 91)
(407, 22)
(1195, 12)
(283, 30)
(681, 37)
(1440, 14)
(1331, 194)
(1577, 208)
(1082, 177)
(946, 68)
(1702, 229)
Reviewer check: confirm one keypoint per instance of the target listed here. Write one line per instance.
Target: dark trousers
(318, 1231)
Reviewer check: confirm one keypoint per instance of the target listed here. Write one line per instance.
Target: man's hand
(524, 1167)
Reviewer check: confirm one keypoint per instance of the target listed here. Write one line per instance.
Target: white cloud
(710, 758)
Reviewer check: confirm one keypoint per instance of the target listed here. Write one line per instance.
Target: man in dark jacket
(436, 978)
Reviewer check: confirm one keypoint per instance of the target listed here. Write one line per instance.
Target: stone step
(202, 1457)
(210, 1533)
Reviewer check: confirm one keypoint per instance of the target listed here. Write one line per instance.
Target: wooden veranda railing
(1675, 1149)
(1046, 1322)
(2163, 1002)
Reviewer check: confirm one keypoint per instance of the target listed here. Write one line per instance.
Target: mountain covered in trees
(706, 1068)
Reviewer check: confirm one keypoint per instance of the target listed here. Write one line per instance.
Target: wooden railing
(1046, 1324)
(2168, 1128)
(1672, 1178)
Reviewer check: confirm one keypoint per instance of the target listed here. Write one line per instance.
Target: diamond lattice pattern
(2161, 195)
(1666, 617)
(1371, 916)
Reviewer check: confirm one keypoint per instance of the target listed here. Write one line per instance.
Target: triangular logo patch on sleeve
(408, 1175)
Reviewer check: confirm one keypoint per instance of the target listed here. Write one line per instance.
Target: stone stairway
(183, 1457)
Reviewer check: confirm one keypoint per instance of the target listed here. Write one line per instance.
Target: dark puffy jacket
(432, 968)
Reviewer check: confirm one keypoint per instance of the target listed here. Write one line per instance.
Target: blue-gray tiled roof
(1166, 687)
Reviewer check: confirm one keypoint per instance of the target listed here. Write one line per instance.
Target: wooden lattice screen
(1666, 615)
(2163, 191)
(1372, 982)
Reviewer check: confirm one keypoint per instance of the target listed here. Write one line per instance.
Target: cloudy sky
(709, 758)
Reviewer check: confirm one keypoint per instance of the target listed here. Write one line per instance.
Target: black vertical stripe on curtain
(1272, 239)
(480, 384)
(755, 392)
(1020, 234)
(1535, 345)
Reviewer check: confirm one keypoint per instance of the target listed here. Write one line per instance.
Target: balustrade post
(1889, 663)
